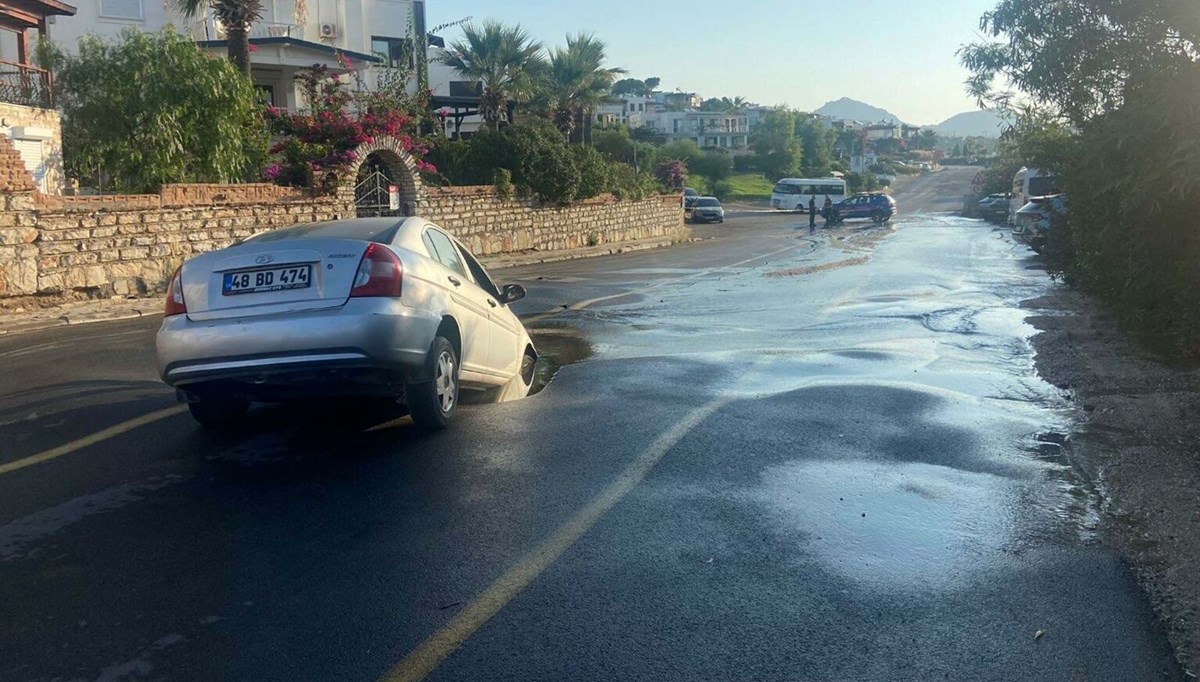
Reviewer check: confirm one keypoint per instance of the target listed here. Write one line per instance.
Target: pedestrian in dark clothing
(812, 213)
(827, 213)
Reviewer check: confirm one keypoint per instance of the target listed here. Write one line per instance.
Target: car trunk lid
(271, 277)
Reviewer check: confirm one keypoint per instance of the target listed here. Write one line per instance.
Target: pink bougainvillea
(316, 150)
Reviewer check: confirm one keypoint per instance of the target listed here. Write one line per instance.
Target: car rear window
(381, 230)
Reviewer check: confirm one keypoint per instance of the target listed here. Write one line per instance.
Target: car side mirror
(512, 292)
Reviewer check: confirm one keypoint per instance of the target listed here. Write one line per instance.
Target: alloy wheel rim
(444, 382)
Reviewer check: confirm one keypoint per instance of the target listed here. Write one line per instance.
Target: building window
(121, 9)
(266, 94)
(397, 53)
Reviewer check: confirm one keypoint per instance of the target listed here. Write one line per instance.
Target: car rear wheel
(878, 217)
(434, 400)
(219, 410)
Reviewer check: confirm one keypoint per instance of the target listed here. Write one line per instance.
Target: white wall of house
(352, 23)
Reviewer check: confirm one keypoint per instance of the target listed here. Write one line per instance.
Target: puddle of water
(557, 347)
(900, 525)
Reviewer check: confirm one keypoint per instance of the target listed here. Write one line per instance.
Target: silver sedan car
(387, 307)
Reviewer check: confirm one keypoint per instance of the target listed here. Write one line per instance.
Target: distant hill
(853, 110)
(982, 123)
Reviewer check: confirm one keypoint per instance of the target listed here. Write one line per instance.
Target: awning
(288, 51)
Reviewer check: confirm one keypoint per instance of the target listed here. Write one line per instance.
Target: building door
(35, 163)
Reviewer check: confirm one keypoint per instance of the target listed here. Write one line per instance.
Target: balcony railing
(270, 29)
(25, 85)
(211, 29)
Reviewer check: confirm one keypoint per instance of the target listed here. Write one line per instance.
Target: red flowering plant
(317, 149)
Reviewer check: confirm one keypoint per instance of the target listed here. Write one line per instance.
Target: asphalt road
(763, 456)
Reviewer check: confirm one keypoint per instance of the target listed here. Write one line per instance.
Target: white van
(1029, 183)
(792, 194)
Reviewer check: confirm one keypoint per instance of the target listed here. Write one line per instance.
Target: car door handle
(455, 281)
(491, 303)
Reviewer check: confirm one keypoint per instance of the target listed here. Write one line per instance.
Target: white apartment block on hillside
(348, 36)
(708, 129)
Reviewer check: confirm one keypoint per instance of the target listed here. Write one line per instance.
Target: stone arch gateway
(379, 166)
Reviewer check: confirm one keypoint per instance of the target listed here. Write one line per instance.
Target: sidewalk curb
(502, 261)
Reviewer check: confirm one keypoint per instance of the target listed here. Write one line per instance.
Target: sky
(897, 54)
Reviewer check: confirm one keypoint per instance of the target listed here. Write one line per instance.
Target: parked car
(878, 207)
(690, 197)
(708, 210)
(994, 207)
(1033, 221)
(393, 308)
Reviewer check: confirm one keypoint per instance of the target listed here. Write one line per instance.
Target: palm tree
(236, 16)
(578, 82)
(504, 59)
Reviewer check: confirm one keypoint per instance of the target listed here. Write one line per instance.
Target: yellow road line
(423, 660)
(87, 441)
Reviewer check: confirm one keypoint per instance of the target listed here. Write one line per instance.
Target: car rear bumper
(378, 334)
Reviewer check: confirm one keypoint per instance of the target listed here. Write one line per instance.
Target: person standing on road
(812, 213)
(827, 210)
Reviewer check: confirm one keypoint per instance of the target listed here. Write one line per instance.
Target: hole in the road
(557, 348)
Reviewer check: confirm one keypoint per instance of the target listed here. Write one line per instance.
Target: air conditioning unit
(329, 31)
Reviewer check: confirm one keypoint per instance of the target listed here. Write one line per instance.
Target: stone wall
(130, 244)
(43, 127)
(489, 225)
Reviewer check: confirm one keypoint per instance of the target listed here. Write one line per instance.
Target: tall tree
(817, 140)
(1079, 55)
(927, 139)
(776, 149)
(577, 82)
(633, 86)
(235, 16)
(506, 60)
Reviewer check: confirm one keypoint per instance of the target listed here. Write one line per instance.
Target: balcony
(211, 29)
(24, 85)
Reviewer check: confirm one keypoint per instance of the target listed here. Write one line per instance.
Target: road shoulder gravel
(1137, 443)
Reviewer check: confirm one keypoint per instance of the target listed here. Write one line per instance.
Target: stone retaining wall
(130, 245)
(490, 225)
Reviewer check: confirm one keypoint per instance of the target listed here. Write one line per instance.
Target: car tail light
(380, 273)
(175, 303)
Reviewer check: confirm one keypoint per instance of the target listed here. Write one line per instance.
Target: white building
(708, 129)
(628, 110)
(347, 36)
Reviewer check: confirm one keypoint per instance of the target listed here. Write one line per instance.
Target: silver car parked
(387, 307)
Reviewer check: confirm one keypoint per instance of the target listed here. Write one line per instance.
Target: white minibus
(1029, 183)
(792, 194)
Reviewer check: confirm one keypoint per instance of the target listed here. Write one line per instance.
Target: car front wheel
(433, 400)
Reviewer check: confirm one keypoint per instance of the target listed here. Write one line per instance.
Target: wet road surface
(765, 456)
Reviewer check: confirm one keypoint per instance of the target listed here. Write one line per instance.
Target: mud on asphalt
(1136, 441)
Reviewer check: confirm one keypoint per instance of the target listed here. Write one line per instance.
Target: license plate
(273, 279)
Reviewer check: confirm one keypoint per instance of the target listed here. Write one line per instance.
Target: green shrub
(628, 184)
(152, 108)
(452, 160)
(722, 189)
(504, 184)
(745, 163)
(1133, 180)
(551, 174)
(595, 173)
